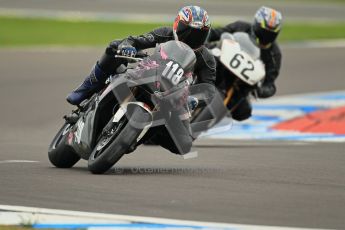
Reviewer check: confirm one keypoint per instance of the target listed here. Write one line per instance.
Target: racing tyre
(119, 140)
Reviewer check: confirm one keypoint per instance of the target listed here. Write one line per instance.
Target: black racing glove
(266, 90)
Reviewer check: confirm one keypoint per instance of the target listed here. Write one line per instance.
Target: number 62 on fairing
(241, 64)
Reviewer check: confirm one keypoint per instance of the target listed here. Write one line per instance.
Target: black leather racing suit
(271, 57)
(205, 71)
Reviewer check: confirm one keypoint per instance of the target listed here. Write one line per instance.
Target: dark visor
(191, 36)
(265, 36)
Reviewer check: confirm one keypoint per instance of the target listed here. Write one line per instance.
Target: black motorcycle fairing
(165, 71)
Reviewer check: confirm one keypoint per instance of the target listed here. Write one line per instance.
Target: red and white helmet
(192, 26)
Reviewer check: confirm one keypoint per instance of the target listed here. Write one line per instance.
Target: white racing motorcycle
(238, 59)
(238, 54)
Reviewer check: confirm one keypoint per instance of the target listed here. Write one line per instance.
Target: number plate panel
(241, 64)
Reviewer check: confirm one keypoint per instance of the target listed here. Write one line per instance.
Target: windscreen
(247, 45)
(171, 63)
(177, 52)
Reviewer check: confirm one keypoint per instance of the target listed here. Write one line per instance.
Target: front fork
(123, 110)
(230, 92)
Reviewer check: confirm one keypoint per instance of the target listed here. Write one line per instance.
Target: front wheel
(60, 154)
(117, 141)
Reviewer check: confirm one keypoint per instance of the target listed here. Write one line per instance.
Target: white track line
(330, 43)
(134, 219)
(333, 43)
(17, 161)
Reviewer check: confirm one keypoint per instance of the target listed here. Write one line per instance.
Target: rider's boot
(92, 84)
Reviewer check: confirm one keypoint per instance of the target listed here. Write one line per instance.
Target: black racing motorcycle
(115, 121)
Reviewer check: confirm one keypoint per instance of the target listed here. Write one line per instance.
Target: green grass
(9, 227)
(23, 32)
(2, 227)
(312, 31)
(31, 32)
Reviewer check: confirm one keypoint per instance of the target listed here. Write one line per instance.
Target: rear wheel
(117, 141)
(60, 154)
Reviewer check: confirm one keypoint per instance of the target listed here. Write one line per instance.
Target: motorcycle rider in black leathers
(263, 31)
(192, 27)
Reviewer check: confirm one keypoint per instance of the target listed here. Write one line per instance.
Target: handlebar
(129, 58)
(138, 57)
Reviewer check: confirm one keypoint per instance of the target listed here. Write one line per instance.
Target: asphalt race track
(264, 183)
